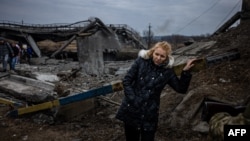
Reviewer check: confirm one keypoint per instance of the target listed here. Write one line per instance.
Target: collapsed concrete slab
(30, 90)
(72, 105)
(191, 51)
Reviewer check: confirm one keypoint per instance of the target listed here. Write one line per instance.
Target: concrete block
(70, 111)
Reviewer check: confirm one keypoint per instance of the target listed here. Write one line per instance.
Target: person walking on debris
(29, 53)
(143, 83)
(5, 51)
(14, 58)
(18, 57)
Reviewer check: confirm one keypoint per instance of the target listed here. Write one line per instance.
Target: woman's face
(159, 56)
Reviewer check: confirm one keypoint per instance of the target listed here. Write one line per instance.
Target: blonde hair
(164, 45)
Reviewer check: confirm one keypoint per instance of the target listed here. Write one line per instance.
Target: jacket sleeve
(129, 80)
(181, 84)
(9, 48)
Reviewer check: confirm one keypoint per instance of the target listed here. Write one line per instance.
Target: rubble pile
(226, 81)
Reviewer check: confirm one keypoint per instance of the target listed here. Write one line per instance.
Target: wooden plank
(34, 108)
(86, 95)
(113, 87)
(9, 102)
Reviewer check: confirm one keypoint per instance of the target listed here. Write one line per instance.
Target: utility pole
(245, 10)
(245, 6)
(149, 35)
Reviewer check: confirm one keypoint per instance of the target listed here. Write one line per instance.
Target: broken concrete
(27, 89)
(91, 49)
(192, 51)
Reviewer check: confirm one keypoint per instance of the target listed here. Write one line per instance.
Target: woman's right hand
(189, 64)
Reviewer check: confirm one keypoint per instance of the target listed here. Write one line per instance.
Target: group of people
(11, 53)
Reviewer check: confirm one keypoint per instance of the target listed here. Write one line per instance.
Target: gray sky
(166, 17)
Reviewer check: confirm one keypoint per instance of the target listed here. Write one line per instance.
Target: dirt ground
(227, 80)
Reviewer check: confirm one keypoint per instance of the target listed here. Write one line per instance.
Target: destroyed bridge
(96, 42)
(32, 33)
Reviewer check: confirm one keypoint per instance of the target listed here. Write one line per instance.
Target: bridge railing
(120, 26)
(63, 27)
(129, 30)
(47, 27)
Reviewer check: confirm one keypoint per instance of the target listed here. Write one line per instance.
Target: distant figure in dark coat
(29, 53)
(14, 57)
(5, 52)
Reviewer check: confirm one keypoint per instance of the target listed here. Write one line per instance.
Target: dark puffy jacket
(5, 48)
(15, 51)
(143, 85)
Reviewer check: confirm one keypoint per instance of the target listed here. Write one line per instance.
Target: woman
(143, 84)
